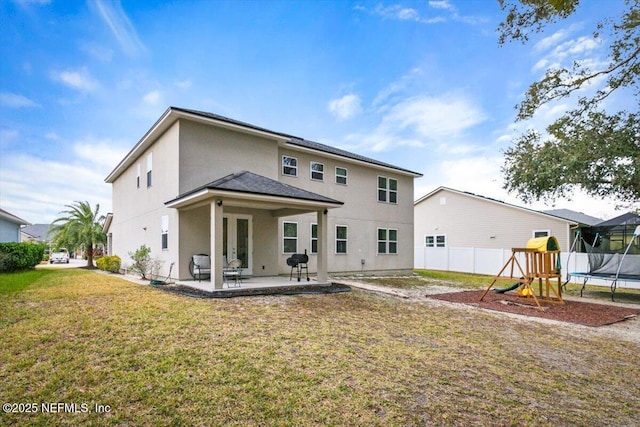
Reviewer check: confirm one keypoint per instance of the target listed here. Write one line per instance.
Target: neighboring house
(202, 183)
(585, 223)
(10, 227)
(37, 233)
(450, 218)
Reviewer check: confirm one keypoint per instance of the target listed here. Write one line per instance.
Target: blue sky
(423, 85)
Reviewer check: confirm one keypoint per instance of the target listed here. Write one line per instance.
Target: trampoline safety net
(603, 261)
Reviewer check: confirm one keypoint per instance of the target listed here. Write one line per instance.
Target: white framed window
(387, 241)
(149, 169)
(138, 175)
(387, 190)
(314, 238)
(341, 175)
(341, 239)
(164, 224)
(435, 241)
(541, 233)
(289, 166)
(289, 237)
(317, 171)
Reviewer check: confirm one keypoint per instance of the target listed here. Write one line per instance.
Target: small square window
(387, 190)
(289, 166)
(441, 241)
(429, 241)
(387, 241)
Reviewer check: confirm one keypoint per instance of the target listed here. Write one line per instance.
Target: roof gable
(490, 200)
(12, 218)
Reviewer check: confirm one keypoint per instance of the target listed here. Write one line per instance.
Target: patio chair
(200, 267)
(231, 270)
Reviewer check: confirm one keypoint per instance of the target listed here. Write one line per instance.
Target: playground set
(542, 263)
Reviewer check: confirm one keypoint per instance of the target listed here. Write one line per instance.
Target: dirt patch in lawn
(582, 313)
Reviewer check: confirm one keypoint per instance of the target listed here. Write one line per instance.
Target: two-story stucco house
(201, 183)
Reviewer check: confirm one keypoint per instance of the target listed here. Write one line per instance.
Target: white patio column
(216, 244)
(323, 240)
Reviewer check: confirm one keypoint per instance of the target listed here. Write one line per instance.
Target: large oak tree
(588, 147)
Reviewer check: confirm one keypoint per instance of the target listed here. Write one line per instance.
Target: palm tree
(80, 226)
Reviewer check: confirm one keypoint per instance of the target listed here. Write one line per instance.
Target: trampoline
(610, 264)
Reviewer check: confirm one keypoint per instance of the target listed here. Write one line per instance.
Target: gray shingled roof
(628, 218)
(300, 142)
(38, 231)
(251, 183)
(574, 216)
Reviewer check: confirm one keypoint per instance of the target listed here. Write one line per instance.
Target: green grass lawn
(75, 336)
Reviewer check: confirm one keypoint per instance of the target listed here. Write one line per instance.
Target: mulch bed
(333, 288)
(582, 313)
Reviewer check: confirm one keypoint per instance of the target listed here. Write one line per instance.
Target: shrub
(141, 261)
(19, 256)
(109, 263)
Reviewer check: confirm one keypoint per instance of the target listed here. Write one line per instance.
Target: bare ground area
(422, 290)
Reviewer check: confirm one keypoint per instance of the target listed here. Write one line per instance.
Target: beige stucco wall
(138, 211)
(361, 213)
(208, 153)
(468, 221)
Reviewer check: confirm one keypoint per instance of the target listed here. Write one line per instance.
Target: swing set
(541, 263)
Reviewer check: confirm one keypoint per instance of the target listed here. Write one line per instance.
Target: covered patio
(230, 217)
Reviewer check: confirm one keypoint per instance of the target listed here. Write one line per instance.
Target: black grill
(299, 262)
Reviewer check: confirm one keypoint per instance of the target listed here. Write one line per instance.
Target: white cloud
(397, 86)
(152, 98)
(481, 175)
(105, 153)
(79, 80)
(346, 107)
(66, 182)
(398, 12)
(13, 100)
(184, 84)
(442, 4)
(418, 121)
(434, 118)
(552, 40)
(120, 25)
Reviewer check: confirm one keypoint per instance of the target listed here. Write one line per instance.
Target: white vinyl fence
(490, 262)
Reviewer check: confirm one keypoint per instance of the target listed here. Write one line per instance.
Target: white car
(61, 255)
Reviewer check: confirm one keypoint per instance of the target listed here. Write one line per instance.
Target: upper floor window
(387, 189)
(289, 166)
(341, 176)
(341, 239)
(317, 171)
(290, 237)
(138, 176)
(387, 241)
(149, 168)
